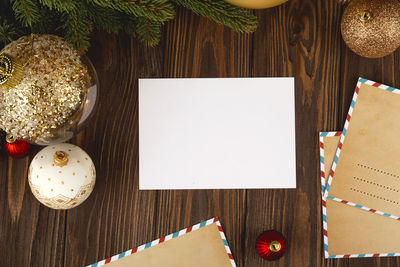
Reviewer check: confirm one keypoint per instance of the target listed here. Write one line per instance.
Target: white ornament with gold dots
(62, 176)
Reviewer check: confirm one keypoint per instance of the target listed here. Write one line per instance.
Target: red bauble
(271, 245)
(15, 147)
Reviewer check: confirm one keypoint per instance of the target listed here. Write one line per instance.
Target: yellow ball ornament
(256, 4)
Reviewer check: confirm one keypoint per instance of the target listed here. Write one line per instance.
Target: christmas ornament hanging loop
(10, 139)
(275, 246)
(365, 16)
(60, 158)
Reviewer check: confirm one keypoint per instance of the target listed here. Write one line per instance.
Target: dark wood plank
(298, 39)
(30, 234)
(197, 47)
(116, 217)
(301, 39)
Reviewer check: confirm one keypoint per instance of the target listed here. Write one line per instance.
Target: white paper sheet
(216, 133)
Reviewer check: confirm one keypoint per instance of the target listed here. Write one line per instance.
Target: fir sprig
(157, 10)
(77, 28)
(75, 19)
(7, 32)
(105, 18)
(63, 5)
(148, 31)
(26, 11)
(222, 12)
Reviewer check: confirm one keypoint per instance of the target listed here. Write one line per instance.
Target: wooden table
(301, 39)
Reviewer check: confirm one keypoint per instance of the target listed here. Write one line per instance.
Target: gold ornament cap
(10, 139)
(11, 71)
(275, 246)
(365, 16)
(60, 158)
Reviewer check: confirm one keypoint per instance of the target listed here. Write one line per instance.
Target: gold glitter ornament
(371, 28)
(56, 94)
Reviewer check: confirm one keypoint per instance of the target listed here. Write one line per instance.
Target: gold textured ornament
(256, 4)
(371, 28)
(49, 89)
(11, 71)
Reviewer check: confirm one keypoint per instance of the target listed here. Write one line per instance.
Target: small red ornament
(271, 245)
(15, 147)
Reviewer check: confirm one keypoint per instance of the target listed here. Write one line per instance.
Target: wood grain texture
(30, 233)
(301, 39)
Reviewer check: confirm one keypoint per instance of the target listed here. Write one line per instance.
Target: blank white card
(217, 133)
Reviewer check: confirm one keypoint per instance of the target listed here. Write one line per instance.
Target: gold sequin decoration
(51, 91)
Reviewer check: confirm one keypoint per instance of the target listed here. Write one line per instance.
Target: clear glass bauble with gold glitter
(62, 176)
(48, 92)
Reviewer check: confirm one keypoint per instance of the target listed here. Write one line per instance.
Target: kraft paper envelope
(366, 171)
(350, 231)
(200, 245)
(216, 133)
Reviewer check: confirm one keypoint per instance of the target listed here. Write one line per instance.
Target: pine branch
(26, 11)
(105, 18)
(129, 25)
(48, 21)
(148, 31)
(141, 18)
(60, 5)
(7, 32)
(222, 13)
(77, 28)
(156, 10)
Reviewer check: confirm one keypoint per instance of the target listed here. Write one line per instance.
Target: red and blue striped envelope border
(322, 160)
(342, 137)
(169, 237)
(324, 212)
